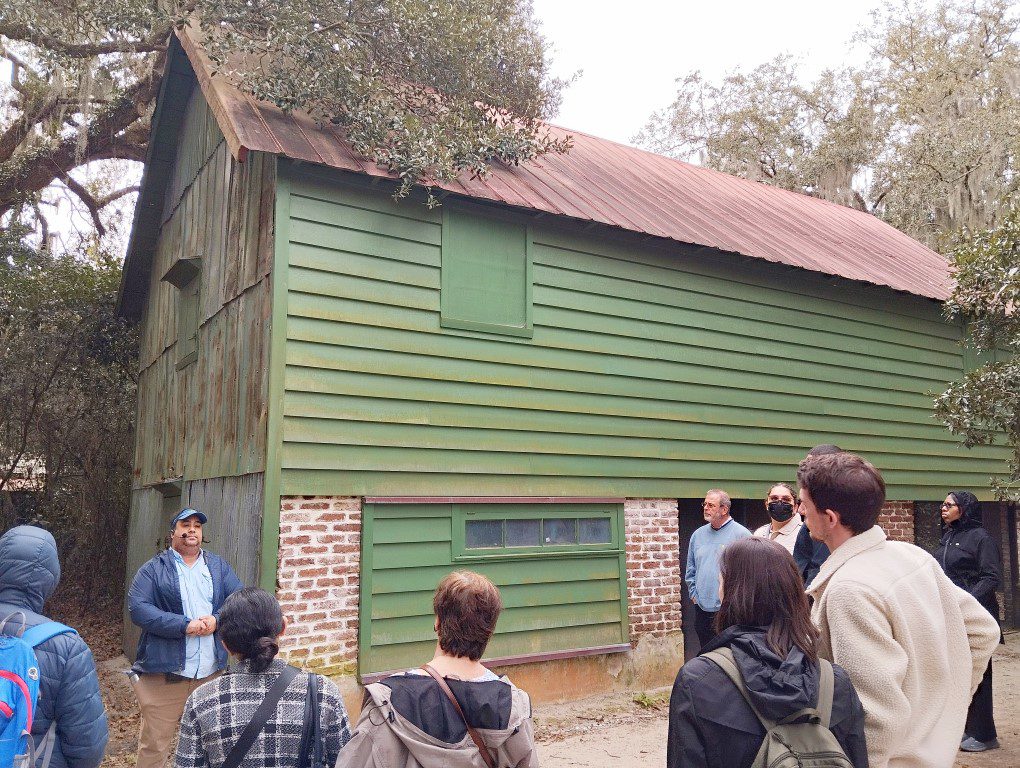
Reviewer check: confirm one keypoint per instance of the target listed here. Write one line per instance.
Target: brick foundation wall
(653, 567)
(897, 520)
(319, 580)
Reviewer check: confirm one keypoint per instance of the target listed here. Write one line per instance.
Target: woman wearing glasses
(970, 557)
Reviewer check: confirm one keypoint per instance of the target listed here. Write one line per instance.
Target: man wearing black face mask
(781, 504)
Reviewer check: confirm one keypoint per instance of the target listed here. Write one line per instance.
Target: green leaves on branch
(428, 90)
(985, 406)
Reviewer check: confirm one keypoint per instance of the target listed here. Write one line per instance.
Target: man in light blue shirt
(703, 552)
(175, 598)
(196, 597)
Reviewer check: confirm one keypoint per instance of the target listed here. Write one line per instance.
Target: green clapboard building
(538, 379)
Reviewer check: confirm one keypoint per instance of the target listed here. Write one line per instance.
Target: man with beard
(175, 598)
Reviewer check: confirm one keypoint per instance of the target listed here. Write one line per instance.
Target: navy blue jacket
(809, 554)
(69, 687)
(154, 601)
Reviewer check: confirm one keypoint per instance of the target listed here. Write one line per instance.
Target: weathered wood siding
(205, 423)
(234, 529)
(653, 372)
(209, 418)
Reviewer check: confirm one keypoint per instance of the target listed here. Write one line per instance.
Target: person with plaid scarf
(250, 625)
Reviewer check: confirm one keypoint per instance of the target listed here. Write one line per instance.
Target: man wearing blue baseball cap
(175, 598)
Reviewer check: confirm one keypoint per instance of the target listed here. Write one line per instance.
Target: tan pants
(161, 704)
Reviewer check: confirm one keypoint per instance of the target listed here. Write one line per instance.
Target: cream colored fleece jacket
(914, 645)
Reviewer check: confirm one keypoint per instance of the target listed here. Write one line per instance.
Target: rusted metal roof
(620, 186)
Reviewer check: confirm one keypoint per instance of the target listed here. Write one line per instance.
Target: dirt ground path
(616, 731)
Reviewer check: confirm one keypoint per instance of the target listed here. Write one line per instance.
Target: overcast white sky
(631, 51)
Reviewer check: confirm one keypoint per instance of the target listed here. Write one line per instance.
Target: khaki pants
(161, 704)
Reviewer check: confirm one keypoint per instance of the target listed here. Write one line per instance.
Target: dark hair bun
(250, 621)
(263, 652)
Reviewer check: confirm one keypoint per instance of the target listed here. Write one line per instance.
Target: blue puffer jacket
(155, 604)
(69, 689)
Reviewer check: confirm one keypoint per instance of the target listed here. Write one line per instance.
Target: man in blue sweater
(702, 575)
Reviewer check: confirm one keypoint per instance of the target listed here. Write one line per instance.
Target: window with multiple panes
(488, 530)
(486, 272)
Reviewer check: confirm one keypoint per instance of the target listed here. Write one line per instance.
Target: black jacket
(809, 554)
(710, 724)
(969, 554)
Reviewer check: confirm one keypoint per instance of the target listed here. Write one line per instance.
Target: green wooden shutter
(486, 273)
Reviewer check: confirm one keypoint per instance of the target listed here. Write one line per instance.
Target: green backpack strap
(723, 658)
(826, 688)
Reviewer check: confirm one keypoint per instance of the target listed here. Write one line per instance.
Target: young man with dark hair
(915, 646)
(808, 553)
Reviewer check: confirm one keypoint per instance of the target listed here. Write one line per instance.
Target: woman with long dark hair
(970, 557)
(260, 714)
(765, 622)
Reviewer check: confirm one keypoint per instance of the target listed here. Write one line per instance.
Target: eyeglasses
(948, 506)
(709, 505)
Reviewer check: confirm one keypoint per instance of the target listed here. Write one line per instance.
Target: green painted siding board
(652, 371)
(504, 573)
(318, 435)
(430, 460)
(412, 554)
(369, 243)
(364, 220)
(385, 606)
(364, 289)
(321, 263)
(427, 529)
(372, 482)
(307, 384)
(351, 192)
(738, 280)
(410, 629)
(716, 370)
(924, 442)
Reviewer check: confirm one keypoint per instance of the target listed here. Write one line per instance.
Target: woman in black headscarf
(970, 557)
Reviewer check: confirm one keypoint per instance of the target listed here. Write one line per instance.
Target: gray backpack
(801, 740)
